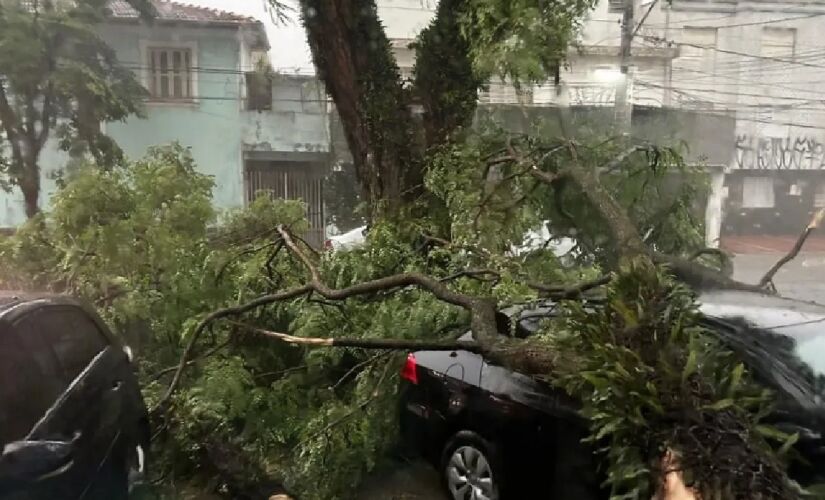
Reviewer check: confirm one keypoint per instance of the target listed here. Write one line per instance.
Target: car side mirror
(30, 461)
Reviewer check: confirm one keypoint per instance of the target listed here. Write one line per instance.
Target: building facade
(755, 62)
(253, 133)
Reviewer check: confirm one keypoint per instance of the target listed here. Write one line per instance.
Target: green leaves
(60, 78)
(521, 40)
(651, 379)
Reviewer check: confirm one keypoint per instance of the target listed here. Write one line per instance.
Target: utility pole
(624, 91)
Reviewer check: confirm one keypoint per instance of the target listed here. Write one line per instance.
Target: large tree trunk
(445, 82)
(354, 59)
(30, 186)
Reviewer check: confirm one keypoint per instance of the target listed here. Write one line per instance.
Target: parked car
(73, 423)
(494, 433)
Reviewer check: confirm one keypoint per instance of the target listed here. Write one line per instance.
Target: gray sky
(289, 48)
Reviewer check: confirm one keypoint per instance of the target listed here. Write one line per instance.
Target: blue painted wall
(216, 127)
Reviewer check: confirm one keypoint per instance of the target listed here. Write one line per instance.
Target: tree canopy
(59, 80)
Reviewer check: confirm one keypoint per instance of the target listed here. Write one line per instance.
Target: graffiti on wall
(775, 153)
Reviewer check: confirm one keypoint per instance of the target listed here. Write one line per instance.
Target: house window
(170, 74)
(615, 6)
(778, 42)
(757, 192)
(819, 195)
(258, 91)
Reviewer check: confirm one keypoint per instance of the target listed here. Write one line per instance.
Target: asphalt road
(802, 278)
(412, 481)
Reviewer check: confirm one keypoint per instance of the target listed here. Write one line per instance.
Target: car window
(72, 335)
(798, 348)
(25, 393)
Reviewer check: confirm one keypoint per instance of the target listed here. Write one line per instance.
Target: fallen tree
(447, 201)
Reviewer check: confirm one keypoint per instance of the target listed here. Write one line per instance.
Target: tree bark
(354, 59)
(29, 182)
(445, 83)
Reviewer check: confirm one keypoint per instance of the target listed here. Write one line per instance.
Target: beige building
(758, 62)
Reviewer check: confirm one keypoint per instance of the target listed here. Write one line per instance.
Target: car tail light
(410, 370)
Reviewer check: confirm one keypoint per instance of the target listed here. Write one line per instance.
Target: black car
(498, 434)
(73, 424)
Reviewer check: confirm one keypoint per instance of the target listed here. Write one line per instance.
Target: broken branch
(391, 344)
(767, 279)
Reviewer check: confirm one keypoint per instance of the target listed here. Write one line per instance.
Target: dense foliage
(655, 382)
(145, 245)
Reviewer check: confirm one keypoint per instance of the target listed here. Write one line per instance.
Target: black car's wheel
(470, 468)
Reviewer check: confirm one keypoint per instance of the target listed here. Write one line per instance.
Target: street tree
(59, 80)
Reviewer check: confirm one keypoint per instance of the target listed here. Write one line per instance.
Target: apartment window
(171, 75)
(757, 192)
(615, 6)
(778, 42)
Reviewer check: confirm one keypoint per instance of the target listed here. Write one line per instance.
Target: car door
(90, 408)
(25, 392)
(534, 421)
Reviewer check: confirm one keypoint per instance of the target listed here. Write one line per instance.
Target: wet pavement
(802, 278)
(405, 481)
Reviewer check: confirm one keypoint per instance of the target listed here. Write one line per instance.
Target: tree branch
(163, 402)
(476, 274)
(571, 292)
(725, 264)
(767, 279)
(618, 160)
(8, 119)
(210, 352)
(482, 310)
(391, 344)
(46, 115)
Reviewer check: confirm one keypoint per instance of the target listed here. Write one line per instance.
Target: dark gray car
(494, 433)
(73, 424)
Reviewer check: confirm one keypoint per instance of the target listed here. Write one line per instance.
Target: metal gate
(301, 181)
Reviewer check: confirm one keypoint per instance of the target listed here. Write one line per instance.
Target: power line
(742, 81)
(714, 91)
(733, 52)
(769, 21)
(696, 20)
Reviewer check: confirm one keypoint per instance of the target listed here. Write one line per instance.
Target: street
(802, 278)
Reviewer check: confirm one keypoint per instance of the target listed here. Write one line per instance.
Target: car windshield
(801, 346)
(798, 345)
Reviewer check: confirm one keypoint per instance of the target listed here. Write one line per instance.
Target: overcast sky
(289, 48)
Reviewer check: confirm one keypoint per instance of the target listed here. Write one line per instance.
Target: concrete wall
(209, 125)
(708, 137)
(297, 122)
